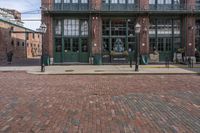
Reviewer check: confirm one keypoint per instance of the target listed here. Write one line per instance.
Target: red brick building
(105, 29)
(23, 42)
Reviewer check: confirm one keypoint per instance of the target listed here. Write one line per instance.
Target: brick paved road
(99, 104)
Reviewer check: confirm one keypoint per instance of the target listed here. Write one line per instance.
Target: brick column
(189, 35)
(96, 35)
(96, 28)
(189, 30)
(48, 36)
(144, 33)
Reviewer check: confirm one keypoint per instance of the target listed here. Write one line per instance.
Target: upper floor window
(131, 1)
(84, 1)
(114, 1)
(164, 1)
(176, 1)
(58, 27)
(75, 1)
(67, 1)
(57, 1)
(71, 27)
(152, 1)
(160, 1)
(119, 1)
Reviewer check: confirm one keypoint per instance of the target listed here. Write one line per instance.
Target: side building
(105, 29)
(23, 42)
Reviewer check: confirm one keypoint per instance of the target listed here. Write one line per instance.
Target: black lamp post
(42, 29)
(137, 57)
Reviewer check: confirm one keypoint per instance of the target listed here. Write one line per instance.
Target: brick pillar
(189, 35)
(96, 4)
(48, 36)
(144, 4)
(189, 30)
(96, 35)
(144, 34)
(96, 28)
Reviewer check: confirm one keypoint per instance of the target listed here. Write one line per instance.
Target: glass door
(71, 50)
(58, 50)
(165, 48)
(84, 50)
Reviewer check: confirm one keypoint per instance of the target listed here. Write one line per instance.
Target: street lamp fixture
(137, 57)
(42, 29)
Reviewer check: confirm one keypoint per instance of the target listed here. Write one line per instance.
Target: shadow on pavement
(24, 62)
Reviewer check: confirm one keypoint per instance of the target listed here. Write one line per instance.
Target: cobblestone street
(99, 104)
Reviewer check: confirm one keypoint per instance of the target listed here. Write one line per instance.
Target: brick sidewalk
(99, 104)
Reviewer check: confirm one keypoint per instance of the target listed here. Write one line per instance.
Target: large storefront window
(197, 35)
(58, 27)
(71, 45)
(165, 37)
(71, 27)
(118, 37)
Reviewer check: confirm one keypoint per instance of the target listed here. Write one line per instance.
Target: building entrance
(76, 50)
(165, 48)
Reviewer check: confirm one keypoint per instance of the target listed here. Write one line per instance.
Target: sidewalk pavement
(105, 69)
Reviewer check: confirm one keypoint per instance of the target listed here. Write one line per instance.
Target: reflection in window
(74, 1)
(168, 1)
(84, 1)
(122, 1)
(131, 1)
(177, 25)
(58, 44)
(71, 27)
(58, 27)
(152, 27)
(67, 44)
(84, 28)
(57, 1)
(160, 1)
(84, 45)
(152, 1)
(106, 45)
(106, 27)
(118, 27)
(176, 1)
(66, 1)
(75, 46)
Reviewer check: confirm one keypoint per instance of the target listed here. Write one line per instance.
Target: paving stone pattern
(99, 104)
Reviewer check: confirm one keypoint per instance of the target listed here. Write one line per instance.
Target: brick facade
(17, 42)
(188, 26)
(34, 45)
(48, 40)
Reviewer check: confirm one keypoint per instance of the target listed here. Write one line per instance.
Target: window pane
(130, 1)
(71, 27)
(67, 45)
(122, 1)
(66, 1)
(168, 1)
(74, 1)
(57, 1)
(58, 44)
(114, 1)
(84, 28)
(160, 1)
(84, 45)
(84, 1)
(152, 2)
(58, 27)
